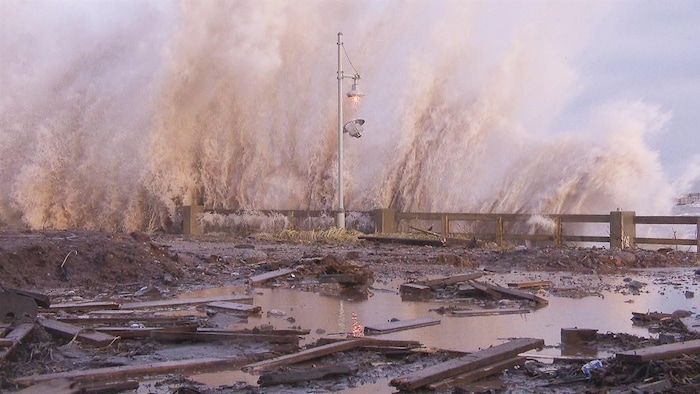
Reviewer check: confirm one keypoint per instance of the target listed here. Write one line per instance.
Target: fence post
(445, 226)
(697, 235)
(499, 231)
(384, 221)
(622, 229)
(190, 224)
(558, 236)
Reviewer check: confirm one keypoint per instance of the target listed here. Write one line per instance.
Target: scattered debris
(400, 325)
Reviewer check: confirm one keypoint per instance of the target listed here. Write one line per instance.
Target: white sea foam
(113, 114)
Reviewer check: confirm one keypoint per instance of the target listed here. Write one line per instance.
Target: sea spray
(115, 114)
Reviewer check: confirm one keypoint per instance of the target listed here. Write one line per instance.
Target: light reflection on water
(610, 312)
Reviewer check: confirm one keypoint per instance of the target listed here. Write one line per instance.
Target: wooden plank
(528, 285)
(256, 279)
(69, 331)
(185, 301)
(400, 325)
(477, 374)
(415, 290)
(297, 332)
(305, 355)
(661, 352)
(149, 320)
(481, 287)
(41, 300)
(4, 329)
(465, 364)
(4, 342)
(514, 293)
(488, 312)
(142, 332)
(692, 220)
(577, 336)
(84, 306)
(304, 375)
(403, 241)
(17, 335)
(235, 307)
(179, 336)
(450, 280)
(129, 371)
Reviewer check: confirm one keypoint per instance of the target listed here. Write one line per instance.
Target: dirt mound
(89, 260)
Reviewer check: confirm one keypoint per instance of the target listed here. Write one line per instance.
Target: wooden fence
(618, 229)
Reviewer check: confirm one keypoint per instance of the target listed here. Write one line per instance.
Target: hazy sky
(648, 51)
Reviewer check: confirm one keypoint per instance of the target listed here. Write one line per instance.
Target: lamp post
(354, 127)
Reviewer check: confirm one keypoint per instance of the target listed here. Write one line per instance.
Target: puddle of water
(610, 312)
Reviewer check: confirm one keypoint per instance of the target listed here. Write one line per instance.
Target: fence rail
(502, 228)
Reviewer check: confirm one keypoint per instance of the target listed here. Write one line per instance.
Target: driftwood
(305, 355)
(528, 285)
(235, 307)
(512, 292)
(403, 241)
(269, 275)
(450, 280)
(477, 374)
(465, 364)
(84, 306)
(275, 378)
(69, 331)
(400, 325)
(127, 371)
(486, 312)
(16, 336)
(177, 336)
(185, 301)
(661, 352)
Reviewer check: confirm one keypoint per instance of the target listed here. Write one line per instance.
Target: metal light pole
(353, 127)
(340, 216)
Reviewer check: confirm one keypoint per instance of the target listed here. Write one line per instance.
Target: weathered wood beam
(403, 241)
(128, 371)
(143, 332)
(401, 325)
(177, 336)
(661, 352)
(257, 279)
(305, 355)
(303, 375)
(450, 280)
(488, 312)
(149, 320)
(84, 306)
(69, 331)
(186, 301)
(235, 307)
(465, 364)
(513, 293)
(16, 336)
(477, 374)
(528, 285)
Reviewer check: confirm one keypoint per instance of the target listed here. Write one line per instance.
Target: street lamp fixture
(353, 127)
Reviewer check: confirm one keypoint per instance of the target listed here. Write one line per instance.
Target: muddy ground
(73, 266)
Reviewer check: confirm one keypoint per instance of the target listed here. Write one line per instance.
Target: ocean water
(114, 114)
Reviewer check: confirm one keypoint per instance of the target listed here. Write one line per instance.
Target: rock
(147, 291)
(253, 256)
(680, 313)
(689, 294)
(276, 313)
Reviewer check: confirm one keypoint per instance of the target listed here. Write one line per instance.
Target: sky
(648, 51)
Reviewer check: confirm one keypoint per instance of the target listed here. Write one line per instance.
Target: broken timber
(512, 292)
(661, 352)
(84, 306)
(477, 374)
(185, 301)
(403, 241)
(269, 275)
(324, 350)
(400, 325)
(126, 371)
(16, 336)
(150, 320)
(450, 280)
(528, 285)
(302, 375)
(143, 332)
(235, 307)
(487, 312)
(465, 364)
(178, 336)
(70, 331)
